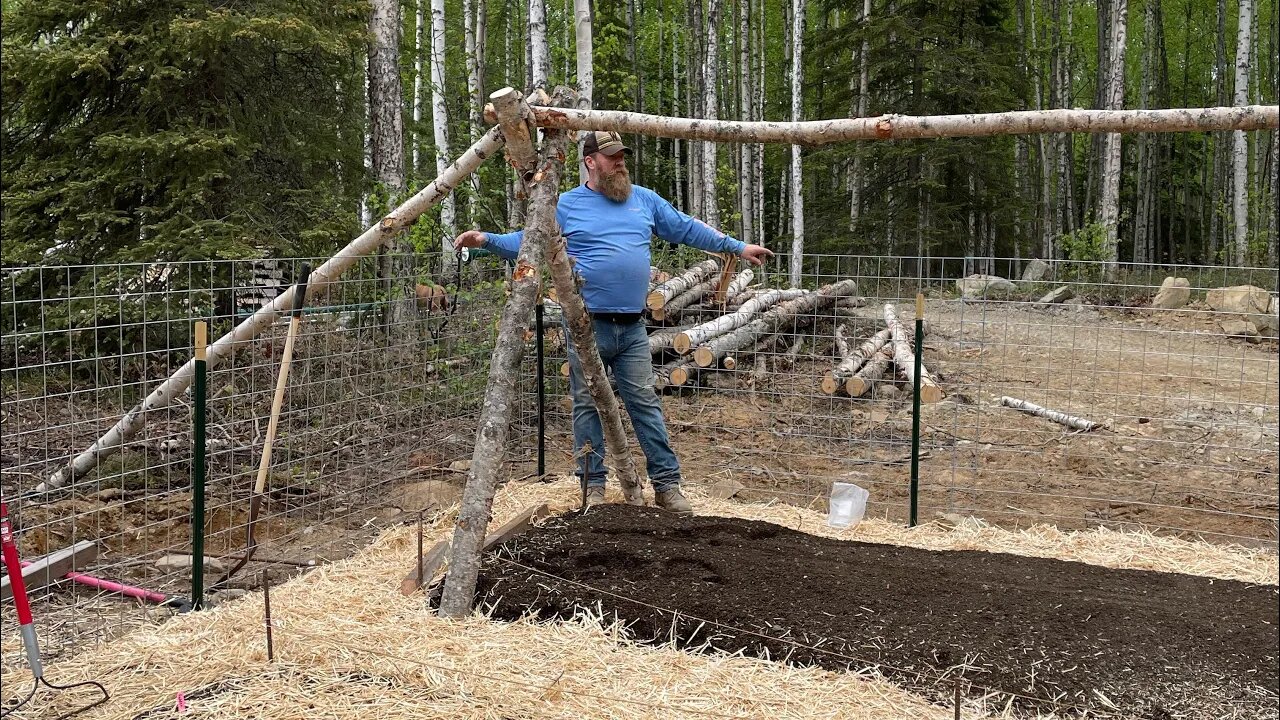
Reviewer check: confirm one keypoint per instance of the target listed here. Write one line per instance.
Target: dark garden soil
(1135, 643)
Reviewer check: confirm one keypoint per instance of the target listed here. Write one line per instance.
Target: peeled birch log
(370, 240)
(869, 374)
(490, 448)
(1071, 421)
(896, 127)
(852, 360)
(663, 292)
(905, 358)
(700, 334)
(710, 353)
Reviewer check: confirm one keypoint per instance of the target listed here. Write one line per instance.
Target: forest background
(188, 129)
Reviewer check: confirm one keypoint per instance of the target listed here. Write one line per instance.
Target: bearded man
(608, 224)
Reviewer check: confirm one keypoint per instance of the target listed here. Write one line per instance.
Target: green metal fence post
(198, 468)
(915, 410)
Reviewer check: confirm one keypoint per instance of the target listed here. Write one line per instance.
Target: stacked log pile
(697, 328)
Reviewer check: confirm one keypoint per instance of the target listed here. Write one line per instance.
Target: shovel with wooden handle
(282, 381)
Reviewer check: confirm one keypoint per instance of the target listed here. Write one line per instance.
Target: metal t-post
(915, 410)
(198, 467)
(542, 394)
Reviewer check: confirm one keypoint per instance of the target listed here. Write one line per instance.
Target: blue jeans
(624, 348)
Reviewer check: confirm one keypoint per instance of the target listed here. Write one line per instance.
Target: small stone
(1055, 296)
(1240, 329)
(726, 488)
(1128, 448)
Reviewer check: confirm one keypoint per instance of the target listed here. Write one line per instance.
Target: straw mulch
(349, 645)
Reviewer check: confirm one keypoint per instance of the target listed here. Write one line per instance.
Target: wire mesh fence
(1186, 396)
(385, 391)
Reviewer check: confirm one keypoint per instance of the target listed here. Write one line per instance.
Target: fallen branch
(1071, 421)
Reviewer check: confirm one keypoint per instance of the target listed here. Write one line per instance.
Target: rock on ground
(981, 285)
(1035, 270)
(1056, 295)
(1175, 292)
(1242, 299)
(1240, 329)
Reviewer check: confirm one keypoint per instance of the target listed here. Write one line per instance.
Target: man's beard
(616, 186)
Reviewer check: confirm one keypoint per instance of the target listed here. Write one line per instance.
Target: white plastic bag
(847, 505)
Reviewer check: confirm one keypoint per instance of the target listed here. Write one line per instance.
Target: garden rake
(282, 381)
(27, 626)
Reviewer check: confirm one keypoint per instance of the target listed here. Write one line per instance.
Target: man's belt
(617, 317)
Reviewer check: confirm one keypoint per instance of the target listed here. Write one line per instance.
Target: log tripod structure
(518, 123)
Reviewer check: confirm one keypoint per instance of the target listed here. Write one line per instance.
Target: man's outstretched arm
(674, 226)
(506, 245)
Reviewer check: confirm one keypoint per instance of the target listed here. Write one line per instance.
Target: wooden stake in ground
(904, 358)
(663, 292)
(1071, 421)
(499, 396)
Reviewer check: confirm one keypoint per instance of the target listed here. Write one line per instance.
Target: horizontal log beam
(900, 127)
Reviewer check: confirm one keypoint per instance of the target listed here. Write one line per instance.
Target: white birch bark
(369, 241)
(757, 101)
(710, 73)
(900, 127)
(664, 291)
(417, 85)
(853, 359)
(797, 169)
(699, 334)
(1239, 143)
(474, 102)
(1071, 421)
(904, 357)
(586, 71)
(475, 508)
(709, 354)
(676, 83)
(745, 192)
(855, 179)
(440, 122)
(861, 382)
(540, 56)
(1109, 197)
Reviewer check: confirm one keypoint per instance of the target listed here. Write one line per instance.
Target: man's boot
(634, 496)
(595, 495)
(673, 500)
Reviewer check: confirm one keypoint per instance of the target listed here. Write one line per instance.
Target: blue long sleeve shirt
(610, 242)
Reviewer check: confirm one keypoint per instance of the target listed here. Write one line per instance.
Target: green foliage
(1088, 243)
(179, 130)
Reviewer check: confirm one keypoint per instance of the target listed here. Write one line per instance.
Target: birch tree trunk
(746, 194)
(1109, 198)
(695, 91)
(540, 56)
(585, 68)
(418, 31)
(711, 79)
(1240, 144)
(1218, 179)
(474, 102)
(440, 121)
(490, 451)
(386, 144)
(797, 169)
(366, 244)
(757, 101)
(855, 178)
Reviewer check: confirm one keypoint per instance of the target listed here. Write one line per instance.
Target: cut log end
(682, 344)
(679, 376)
(703, 357)
(930, 394)
(655, 300)
(830, 385)
(564, 369)
(730, 363)
(658, 314)
(857, 387)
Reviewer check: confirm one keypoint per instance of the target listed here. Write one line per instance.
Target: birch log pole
(700, 334)
(664, 339)
(903, 356)
(584, 340)
(899, 127)
(368, 241)
(664, 292)
(869, 374)
(490, 450)
(1071, 421)
(852, 360)
(712, 352)
(689, 297)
